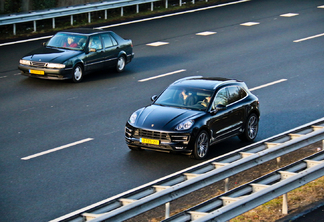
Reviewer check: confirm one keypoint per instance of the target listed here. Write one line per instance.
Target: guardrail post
(71, 20)
(122, 11)
(180, 2)
(285, 204)
(152, 6)
(137, 8)
(105, 14)
(53, 23)
(166, 3)
(226, 184)
(34, 25)
(167, 210)
(14, 29)
(278, 161)
(89, 17)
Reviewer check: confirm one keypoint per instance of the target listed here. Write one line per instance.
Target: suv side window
(236, 93)
(221, 98)
(108, 40)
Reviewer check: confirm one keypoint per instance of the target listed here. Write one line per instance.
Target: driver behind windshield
(70, 43)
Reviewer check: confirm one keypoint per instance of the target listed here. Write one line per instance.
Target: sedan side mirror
(154, 98)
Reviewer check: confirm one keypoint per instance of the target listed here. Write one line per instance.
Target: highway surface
(276, 47)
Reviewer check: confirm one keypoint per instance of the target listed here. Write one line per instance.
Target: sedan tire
(201, 146)
(251, 128)
(121, 63)
(77, 73)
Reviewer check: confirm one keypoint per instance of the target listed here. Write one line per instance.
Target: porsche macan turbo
(194, 113)
(74, 53)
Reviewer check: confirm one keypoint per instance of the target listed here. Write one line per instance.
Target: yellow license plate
(38, 72)
(150, 141)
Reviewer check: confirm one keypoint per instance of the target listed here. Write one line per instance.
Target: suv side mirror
(154, 98)
(218, 107)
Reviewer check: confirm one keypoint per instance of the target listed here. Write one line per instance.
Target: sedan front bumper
(45, 73)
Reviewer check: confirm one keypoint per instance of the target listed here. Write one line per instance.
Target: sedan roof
(86, 31)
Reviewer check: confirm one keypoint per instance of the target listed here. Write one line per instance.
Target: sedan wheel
(201, 146)
(251, 128)
(121, 64)
(77, 73)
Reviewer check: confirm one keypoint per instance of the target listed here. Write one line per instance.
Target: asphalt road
(40, 115)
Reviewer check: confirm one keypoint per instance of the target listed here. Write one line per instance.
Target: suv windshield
(69, 41)
(185, 97)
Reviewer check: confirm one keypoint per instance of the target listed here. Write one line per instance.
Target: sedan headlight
(24, 62)
(55, 66)
(132, 118)
(185, 125)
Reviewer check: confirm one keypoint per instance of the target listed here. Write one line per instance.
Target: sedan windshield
(69, 41)
(185, 97)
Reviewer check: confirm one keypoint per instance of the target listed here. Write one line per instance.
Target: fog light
(179, 147)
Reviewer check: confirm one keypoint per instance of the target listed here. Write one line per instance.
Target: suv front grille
(153, 135)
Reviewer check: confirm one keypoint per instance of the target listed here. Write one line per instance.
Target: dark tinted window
(221, 98)
(235, 94)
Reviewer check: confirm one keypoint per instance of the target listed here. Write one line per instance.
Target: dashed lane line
(308, 38)
(56, 149)
(162, 75)
(268, 84)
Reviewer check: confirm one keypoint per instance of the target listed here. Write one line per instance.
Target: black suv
(194, 113)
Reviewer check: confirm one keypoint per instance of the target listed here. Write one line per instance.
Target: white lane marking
(174, 14)
(250, 23)
(2, 77)
(162, 75)
(206, 33)
(311, 37)
(322, 6)
(268, 84)
(157, 43)
(26, 40)
(289, 15)
(56, 149)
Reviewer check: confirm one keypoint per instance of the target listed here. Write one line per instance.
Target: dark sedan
(194, 113)
(74, 53)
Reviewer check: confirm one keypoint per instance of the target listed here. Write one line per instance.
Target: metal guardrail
(164, 190)
(81, 9)
(70, 11)
(246, 197)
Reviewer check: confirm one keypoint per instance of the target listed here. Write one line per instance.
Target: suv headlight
(132, 118)
(185, 125)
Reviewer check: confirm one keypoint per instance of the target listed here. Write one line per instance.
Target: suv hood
(164, 118)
